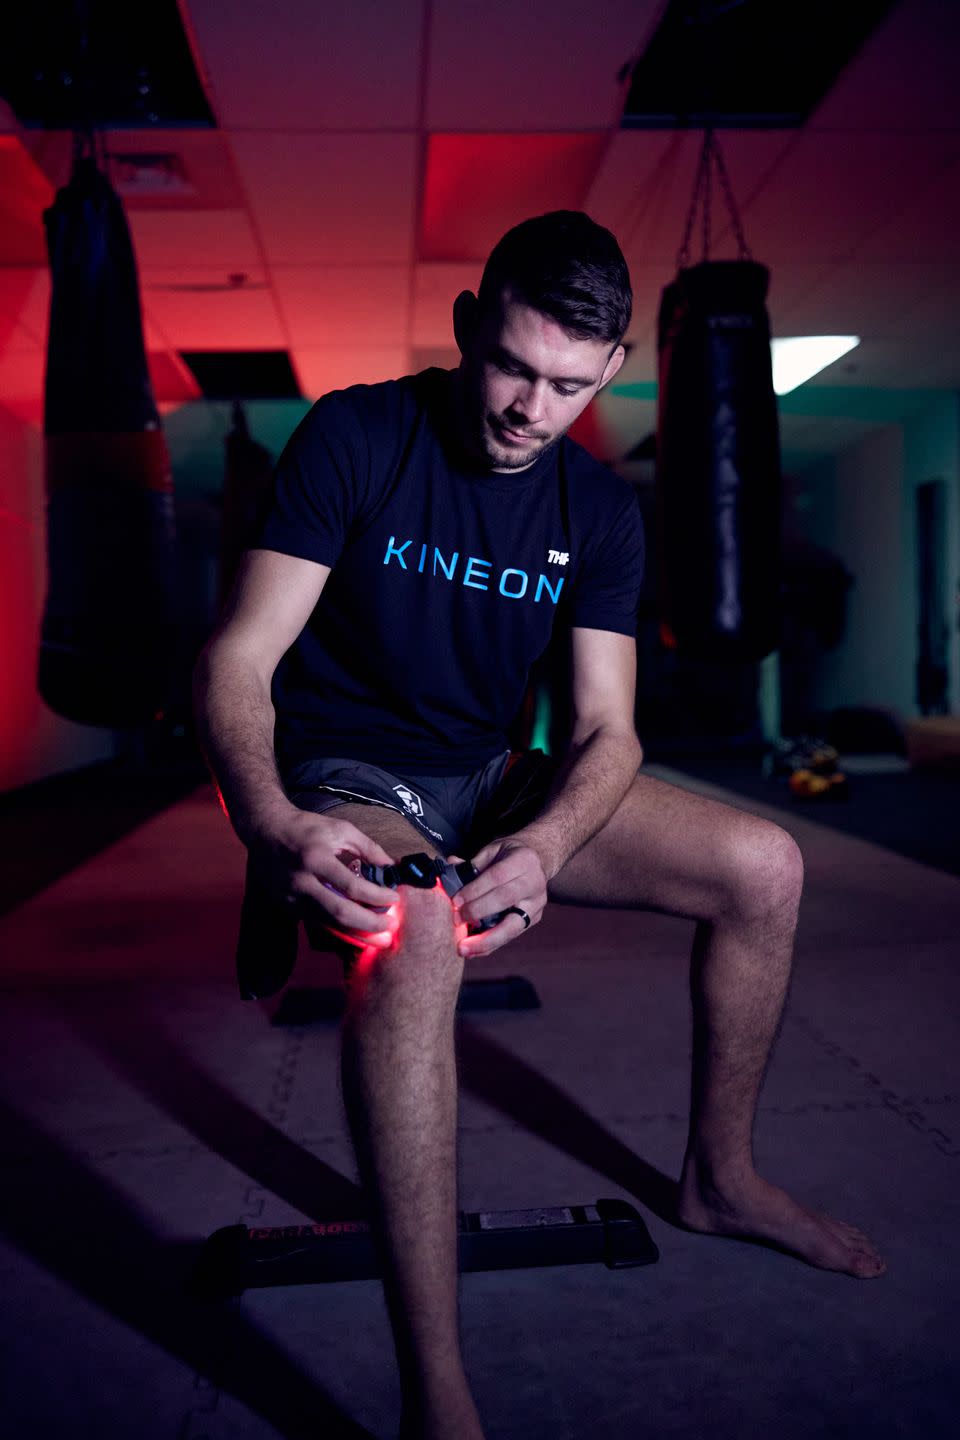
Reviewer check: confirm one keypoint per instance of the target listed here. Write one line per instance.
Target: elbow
(626, 740)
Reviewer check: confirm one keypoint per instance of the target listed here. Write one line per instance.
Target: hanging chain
(703, 194)
(702, 179)
(743, 248)
(708, 145)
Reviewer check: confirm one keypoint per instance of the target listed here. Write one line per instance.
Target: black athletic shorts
(457, 814)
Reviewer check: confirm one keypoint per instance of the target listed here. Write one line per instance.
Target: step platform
(242, 1257)
(316, 1004)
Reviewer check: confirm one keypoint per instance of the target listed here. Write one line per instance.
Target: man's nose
(529, 400)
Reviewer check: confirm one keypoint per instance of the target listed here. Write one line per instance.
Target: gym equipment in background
(107, 638)
(242, 1257)
(718, 451)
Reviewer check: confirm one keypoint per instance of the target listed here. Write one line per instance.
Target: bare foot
(758, 1211)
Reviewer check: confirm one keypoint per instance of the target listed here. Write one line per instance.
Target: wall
(932, 452)
(33, 741)
(862, 506)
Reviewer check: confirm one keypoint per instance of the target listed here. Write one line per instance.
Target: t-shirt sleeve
(607, 593)
(317, 487)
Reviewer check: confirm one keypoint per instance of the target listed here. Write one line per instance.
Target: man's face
(525, 381)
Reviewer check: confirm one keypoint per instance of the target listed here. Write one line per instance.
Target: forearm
(235, 720)
(595, 776)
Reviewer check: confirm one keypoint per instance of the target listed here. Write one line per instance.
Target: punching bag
(107, 637)
(718, 464)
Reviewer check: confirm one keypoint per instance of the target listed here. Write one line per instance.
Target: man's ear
(612, 366)
(466, 318)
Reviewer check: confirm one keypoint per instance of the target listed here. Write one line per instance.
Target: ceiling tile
(218, 239)
(202, 157)
(478, 186)
(25, 298)
(905, 76)
(927, 227)
(25, 192)
(542, 65)
(14, 339)
(644, 189)
(193, 317)
(331, 199)
(172, 382)
(300, 65)
(870, 299)
(436, 286)
(21, 383)
(342, 305)
(320, 371)
(833, 191)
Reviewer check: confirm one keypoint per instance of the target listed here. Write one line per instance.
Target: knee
(763, 870)
(424, 954)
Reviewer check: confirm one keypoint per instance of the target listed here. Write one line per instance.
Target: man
(425, 537)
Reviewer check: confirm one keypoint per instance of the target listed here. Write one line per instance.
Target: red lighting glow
(477, 186)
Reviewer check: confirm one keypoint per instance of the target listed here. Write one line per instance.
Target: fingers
(483, 857)
(346, 912)
(472, 946)
(497, 888)
(513, 876)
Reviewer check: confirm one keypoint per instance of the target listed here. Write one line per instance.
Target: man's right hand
(300, 856)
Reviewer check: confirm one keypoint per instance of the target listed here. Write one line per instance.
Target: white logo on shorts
(411, 802)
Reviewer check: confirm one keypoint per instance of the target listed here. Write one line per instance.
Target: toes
(868, 1265)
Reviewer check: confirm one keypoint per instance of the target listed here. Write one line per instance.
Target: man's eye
(562, 391)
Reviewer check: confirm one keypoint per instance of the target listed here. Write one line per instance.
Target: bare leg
(740, 878)
(400, 1090)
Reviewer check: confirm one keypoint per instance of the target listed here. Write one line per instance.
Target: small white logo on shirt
(410, 801)
(557, 557)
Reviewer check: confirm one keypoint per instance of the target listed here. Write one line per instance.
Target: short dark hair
(568, 267)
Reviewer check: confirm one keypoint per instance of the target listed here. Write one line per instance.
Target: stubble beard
(504, 457)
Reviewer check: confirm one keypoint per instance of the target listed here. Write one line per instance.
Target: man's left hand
(512, 874)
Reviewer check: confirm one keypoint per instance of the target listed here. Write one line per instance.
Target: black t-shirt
(446, 580)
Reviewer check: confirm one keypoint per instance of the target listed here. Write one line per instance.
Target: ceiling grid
(367, 156)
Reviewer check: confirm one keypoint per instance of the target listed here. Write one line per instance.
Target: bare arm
(602, 761)
(272, 600)
(604, 753)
